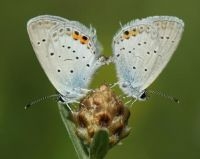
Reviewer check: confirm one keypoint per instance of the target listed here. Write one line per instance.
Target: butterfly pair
(69, 53)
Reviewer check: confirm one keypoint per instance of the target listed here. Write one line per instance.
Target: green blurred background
(160, 129)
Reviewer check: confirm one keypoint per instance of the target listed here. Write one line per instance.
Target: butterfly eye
(143, 96)
(61, 99)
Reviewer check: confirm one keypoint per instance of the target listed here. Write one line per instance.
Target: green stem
(79, 148)
(98, 148)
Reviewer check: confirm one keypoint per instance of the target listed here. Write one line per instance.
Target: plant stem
(79, 148)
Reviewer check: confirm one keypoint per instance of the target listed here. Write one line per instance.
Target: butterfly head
(143, 96)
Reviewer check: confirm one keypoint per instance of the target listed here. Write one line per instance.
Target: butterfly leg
(77, 102)
(85, 91)
(133, 101)
(114, 84)
(68, 107)
(128, 102)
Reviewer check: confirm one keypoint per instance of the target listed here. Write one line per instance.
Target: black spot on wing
(76, 32)
(84, 38)
(126, 32)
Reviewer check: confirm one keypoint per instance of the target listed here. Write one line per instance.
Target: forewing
(142, 48)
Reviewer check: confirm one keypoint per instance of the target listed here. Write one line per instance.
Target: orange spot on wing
(134, 32)
(126, 35)
(75, 36)
(84, 40)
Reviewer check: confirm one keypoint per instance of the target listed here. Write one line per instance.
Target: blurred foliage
(160, 129)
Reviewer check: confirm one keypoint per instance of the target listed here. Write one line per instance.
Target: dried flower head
(101, 109)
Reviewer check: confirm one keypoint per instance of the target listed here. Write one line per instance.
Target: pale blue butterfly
(142, 49)
(68, 52)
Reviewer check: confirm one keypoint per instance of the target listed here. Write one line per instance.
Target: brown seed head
(101, 109)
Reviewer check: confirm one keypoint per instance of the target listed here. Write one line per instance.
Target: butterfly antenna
(41, 99)
(164, 95)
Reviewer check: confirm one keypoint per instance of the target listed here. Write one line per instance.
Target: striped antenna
(164, 95)
(41, 99)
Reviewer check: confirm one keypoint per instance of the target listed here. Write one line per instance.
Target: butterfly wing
(67, 51)
(142, 48)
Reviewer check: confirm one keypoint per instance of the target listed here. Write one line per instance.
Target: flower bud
(101, 109)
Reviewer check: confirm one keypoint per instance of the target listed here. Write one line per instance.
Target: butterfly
(142, 49)
(68, 52)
